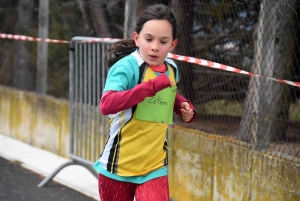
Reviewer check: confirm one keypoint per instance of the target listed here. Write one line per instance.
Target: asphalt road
(18, 183)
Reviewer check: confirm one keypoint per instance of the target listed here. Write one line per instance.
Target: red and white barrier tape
(215, 65)
(192, 60)
(27, 38)
(101, 40)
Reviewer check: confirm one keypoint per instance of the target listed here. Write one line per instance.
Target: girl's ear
(173, 45)
(135, 36)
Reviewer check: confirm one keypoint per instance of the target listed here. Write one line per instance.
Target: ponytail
(119, 50)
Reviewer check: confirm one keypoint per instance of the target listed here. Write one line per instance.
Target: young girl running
(140, 97)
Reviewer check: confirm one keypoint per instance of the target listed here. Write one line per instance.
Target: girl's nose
(155, 46)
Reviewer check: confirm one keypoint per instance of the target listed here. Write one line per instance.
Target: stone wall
(41, 121)
(202, 166)
(209, 167)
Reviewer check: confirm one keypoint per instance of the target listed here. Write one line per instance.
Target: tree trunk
(24, 69)
(42, 54)
(96, 23)
(103, 18)
(266, 108)
(130, 18)
(184, 16)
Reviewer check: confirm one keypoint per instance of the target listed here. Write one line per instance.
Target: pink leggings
(112, 190)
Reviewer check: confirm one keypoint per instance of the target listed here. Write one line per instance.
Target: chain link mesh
(258, 37)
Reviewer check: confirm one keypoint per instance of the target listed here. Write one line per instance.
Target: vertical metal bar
(94, 104)
(76, 99)
(89, 101)
(105, 74)
(103, 84)
(71, 94)
(79, 139)
(99, 94)
(85, 100)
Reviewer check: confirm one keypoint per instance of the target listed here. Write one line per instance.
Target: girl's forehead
(158, 27)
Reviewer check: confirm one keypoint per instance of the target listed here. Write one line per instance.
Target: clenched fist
(186, 112)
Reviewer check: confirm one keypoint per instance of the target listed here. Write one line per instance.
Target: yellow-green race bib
(158, 108)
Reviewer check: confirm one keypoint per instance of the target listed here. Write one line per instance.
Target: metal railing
(88, 128)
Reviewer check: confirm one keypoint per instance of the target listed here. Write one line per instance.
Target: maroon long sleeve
(114, 101)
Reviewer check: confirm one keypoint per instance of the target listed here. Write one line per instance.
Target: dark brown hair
(123, 48)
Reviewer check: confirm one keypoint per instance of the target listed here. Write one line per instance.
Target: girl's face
(155, 41)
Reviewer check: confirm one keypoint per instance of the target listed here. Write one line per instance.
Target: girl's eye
(148, 39)
(163, 42)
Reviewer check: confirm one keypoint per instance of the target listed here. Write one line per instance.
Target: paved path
(18, 183)
(23, 167)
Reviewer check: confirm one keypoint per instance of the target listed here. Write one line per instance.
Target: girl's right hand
(161, 82)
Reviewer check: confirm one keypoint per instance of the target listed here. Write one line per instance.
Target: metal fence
(88, 128)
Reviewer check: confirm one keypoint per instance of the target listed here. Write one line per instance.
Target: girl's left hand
(186, 112)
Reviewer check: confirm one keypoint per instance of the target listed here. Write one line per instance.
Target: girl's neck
(160, 69)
